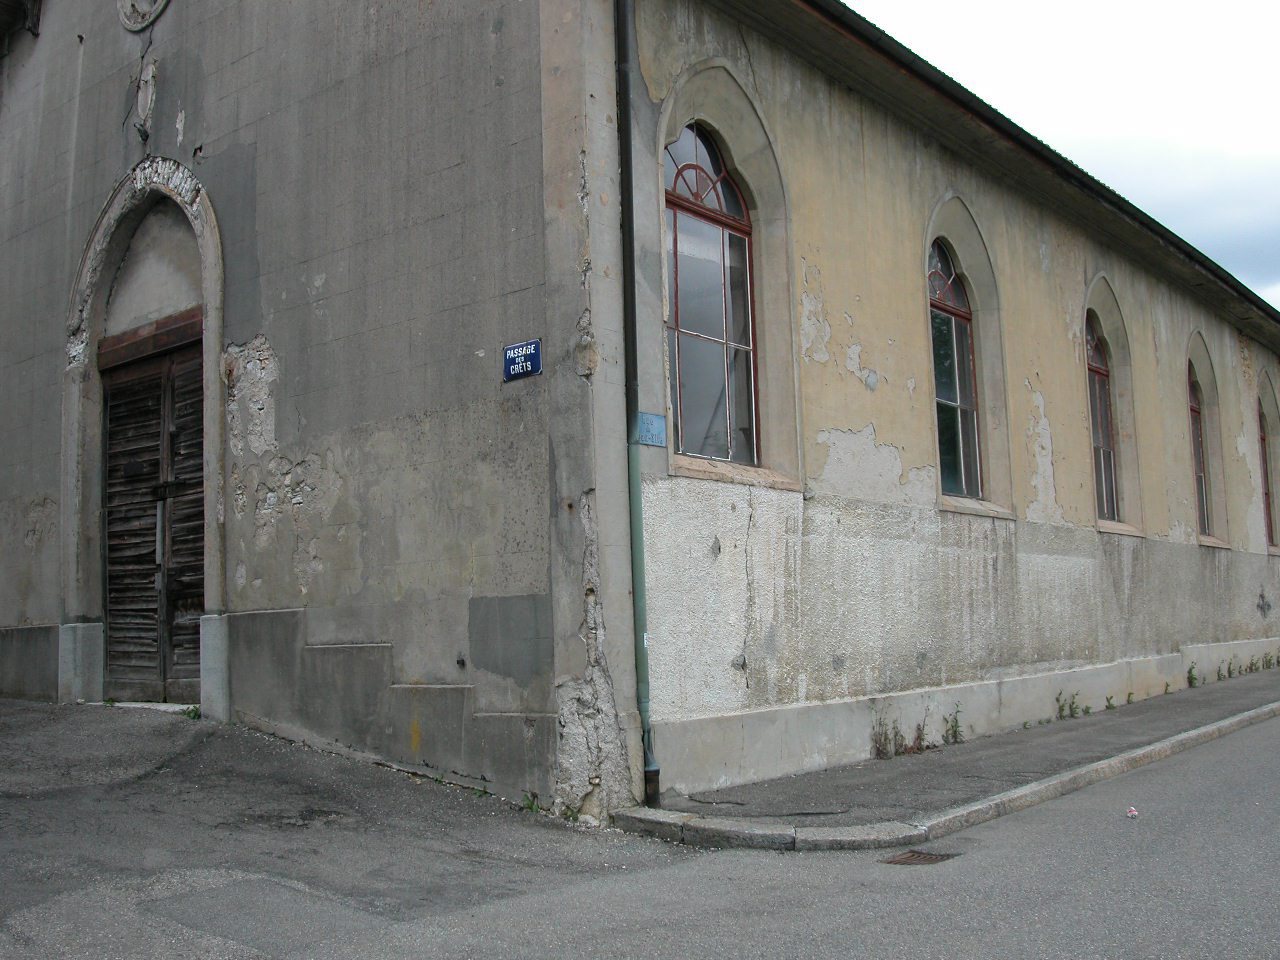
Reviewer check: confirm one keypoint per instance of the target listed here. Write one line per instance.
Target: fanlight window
(710, 332)
(955, 377)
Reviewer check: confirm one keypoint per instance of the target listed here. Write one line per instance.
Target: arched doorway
(142, 452)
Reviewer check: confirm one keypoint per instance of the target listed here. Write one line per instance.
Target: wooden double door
(154, 524)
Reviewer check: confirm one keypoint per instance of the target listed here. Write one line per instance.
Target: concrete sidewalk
(911, 799)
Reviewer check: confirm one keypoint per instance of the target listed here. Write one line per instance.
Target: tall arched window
(1102, 420)
(710, 331)
(1264, 443)
(954, 376)
(1199, 461)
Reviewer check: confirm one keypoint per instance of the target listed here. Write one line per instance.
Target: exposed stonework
(856, 462)
(592, 770)
(1045, 507)
(251, 371)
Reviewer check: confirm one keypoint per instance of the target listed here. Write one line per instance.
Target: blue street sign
(521, 360)
(651, 429)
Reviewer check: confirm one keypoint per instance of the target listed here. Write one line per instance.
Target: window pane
(949, 449)
(671, 268)
(1094, 412)
(732, 200)
(1104, 413)
(705, 429)
(1099, 485)
(742, 433)
(680, 153)
(739, 291)
(944, 358)
(1109, 475)
(969, 452)
(700, 287)
(672, 367)
(964, 365)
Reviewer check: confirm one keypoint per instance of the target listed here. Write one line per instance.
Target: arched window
(710, 330)
(1264, 443)
(1102, 420)
(1199, 461)
(954, 376)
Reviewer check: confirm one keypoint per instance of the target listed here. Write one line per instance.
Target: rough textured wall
(377, 174)
(863, 583)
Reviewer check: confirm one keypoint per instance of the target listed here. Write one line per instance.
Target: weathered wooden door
(154, 506)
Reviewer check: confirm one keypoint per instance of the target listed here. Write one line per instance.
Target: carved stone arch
(81, 645)
(1200, 363)
(1101, 302)
(710, 94)
(952, 223)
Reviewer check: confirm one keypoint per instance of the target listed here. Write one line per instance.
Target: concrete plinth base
(81, 662)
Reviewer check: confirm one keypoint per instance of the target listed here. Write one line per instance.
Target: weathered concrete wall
(418, 559)
(29, 663)
(864, 580)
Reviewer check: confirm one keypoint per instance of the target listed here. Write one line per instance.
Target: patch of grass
(1087, 710)
(1268, 661)
(1068, 708)
(1221, 673)
(1129, 698)
(1167, 689)
(110, 702)
(530, 803)
(1193, 678)
(192, 712)
(951, 732)
(1110, 704)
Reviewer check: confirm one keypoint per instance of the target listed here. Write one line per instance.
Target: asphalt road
(175, 838)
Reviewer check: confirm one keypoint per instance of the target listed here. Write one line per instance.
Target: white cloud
(1171, 105)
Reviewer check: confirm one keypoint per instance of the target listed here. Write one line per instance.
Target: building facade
(922, 419)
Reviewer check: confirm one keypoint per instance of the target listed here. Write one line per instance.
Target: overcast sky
(1174, 105)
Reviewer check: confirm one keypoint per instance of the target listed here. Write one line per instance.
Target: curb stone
(699, 831)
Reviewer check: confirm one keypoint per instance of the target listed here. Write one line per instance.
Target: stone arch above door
(156, 180)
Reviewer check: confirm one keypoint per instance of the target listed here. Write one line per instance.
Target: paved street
(136, 834)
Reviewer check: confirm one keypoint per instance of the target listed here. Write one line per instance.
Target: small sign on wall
(520, 360)
(651, 429)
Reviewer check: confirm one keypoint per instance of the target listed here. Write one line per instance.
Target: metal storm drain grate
(917, 858)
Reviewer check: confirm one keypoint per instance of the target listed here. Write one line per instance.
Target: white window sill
(1121, 529)
(700, 469)
(1207, 541)
(974, 508)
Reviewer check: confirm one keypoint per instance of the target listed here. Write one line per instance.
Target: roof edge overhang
(856, 53)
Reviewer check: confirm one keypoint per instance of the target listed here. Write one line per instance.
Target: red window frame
(1195, 401)
(1264, 447)
(1101, 421)
(703, 190)
(949, 300)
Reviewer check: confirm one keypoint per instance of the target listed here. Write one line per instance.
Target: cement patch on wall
(29, 663)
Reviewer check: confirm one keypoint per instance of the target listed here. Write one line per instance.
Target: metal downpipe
(624, 17)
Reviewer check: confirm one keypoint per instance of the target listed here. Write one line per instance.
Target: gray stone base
(345, 696)
(215, 680)
(29, 663)
(712, 752)
(81, 662)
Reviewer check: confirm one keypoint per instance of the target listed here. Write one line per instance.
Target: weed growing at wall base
(1193, 678)
(951, 732)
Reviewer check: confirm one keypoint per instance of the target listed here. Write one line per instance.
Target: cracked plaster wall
(867, 585)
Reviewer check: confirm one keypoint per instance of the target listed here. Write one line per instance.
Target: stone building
(853, 401)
